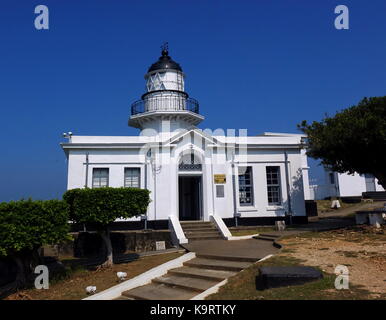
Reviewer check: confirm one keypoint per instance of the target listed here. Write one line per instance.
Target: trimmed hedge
(102, 206)
(27, 225)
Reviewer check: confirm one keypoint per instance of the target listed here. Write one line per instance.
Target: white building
(343, 185)
(193, 174)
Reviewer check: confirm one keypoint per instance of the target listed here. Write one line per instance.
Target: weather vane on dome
(165, 47)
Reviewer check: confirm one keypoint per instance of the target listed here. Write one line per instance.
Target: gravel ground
(361, 248)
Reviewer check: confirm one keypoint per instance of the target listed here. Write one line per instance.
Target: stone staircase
(194, 277)
(200, 230)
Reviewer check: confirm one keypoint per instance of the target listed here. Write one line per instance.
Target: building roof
(165, 62)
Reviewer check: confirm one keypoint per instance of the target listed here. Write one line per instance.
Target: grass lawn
(325, 205)
(72, 285)
(242, 286)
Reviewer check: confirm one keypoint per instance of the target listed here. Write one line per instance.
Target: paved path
(216, 260)
(251, 248)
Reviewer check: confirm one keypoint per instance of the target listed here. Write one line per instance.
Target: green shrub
(27, 225)
(102, 206)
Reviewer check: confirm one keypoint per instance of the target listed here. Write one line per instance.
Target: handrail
(165, 103)
(178, 235)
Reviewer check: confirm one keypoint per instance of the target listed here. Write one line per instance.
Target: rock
(280, 225)
(273, 277)
(335, 204)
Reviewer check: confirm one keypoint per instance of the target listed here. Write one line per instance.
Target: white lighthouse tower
(165, 106)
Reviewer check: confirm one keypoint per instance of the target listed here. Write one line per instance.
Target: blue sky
(260, 65)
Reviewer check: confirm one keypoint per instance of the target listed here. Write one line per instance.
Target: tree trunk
(21, 278)
(109, 248)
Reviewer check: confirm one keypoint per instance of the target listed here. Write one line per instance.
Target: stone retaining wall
(90, 243)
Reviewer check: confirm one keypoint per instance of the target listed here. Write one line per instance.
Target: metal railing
(165, 103)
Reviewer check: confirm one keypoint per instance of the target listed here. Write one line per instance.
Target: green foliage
(102, 206)
(27, 225)
(354, 140)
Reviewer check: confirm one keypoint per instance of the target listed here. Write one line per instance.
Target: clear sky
(263, 65)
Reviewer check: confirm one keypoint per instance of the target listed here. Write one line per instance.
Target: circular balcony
(165, 103)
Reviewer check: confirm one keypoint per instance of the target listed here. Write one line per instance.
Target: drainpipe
(86, 184)
(288, 186)
(146, 187)
(234, 194)
(87, 163)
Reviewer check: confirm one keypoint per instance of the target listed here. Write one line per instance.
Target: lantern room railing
(164, 103)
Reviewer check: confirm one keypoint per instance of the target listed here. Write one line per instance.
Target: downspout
(288, 186)
(87, 163)
(86, 184)
(155, 193)
(146, 187)
(234, 194)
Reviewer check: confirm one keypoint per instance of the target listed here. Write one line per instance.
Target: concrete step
(199, 228)
(217, 264)
(265, 238)
(197, 238)
(194, 222)
(196, 225)
(156, 291)
(202, 234)
(186, 282)
(269, 235)
(227, 258)
(216, 275)
(200, 231)
(123, 298)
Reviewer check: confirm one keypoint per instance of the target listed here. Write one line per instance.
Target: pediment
(193, 132)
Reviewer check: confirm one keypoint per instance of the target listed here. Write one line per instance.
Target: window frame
(99, 178)
(139, 176)
(274, 185)
(249, 170)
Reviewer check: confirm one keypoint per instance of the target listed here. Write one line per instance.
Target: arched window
(189, 162)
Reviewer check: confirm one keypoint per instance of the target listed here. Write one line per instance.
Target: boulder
(273, 277)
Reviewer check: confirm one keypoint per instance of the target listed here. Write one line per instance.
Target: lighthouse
(165, 105)
(193, 175)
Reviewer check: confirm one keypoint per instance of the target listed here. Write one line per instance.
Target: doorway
(189, 197)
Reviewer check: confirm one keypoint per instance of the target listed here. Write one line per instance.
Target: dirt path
(361, 249)
(349, 210)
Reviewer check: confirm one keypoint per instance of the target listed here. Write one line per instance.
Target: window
(100, 177)
(273, 185)
(132, 177)
(245, 186)
(220, 191)
(332, 178)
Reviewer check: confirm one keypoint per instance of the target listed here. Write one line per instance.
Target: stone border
(142, 279)
(250, 236)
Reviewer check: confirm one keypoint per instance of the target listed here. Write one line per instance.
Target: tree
(100, 207)
(354, 140)
(27, 225)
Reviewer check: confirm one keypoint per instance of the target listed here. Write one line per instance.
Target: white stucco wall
(346, 185)
(161, 178)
